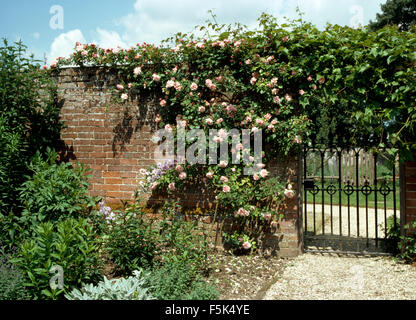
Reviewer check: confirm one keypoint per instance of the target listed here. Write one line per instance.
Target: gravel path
(329, 277)
(348, 221)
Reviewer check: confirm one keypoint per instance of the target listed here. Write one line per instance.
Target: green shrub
(182, 241)
(407, 245)
(29, 119)
(401, 246)
(131, 288)
(71, 244)
(132, 242)
(54, 191)
(12, 279)
(176, 281)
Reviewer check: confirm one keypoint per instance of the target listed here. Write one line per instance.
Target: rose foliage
(340, 86)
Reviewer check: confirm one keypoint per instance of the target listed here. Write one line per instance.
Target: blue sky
(111, 23)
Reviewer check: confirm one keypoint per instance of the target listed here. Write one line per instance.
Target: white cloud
(109, 39)
(154, 20)
(36, 35)
(63, 45)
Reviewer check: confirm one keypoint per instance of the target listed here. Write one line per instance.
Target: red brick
(113, 181)
(111, 174)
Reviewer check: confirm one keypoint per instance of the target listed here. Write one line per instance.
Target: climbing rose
(264, 173)
(194, 86)
(137, 71)
(224, 179)
(201, 109)
(156, 77)
(223, 164)
(246, 245)
(170, 84)
(276, 100)
(120, 87)
(182, 175)
(163, 103)
(124, 96)
(226, 188)
(289, 193)
(179, 168)
(210, 175)
(172, 186)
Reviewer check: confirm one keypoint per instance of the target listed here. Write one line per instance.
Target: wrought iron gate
(349, 200)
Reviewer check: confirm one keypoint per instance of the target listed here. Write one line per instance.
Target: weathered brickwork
(410, 192)
(114, 140)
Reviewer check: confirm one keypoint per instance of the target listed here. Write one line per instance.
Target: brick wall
(410, 192)
(114, 140)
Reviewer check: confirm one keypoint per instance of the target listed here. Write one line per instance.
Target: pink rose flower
(156, 77)
(218, 139)
(301, 92)
(162, 103)
(194, 86)
(223, 164)
(276, 100)
(201, 109)
(137, 71)
(246, 245)
(124, 96)
(289, 193)
(179, 168)
(170, 84)
(182, 175)
(226, 189)
(209, 121)
(224, 179)
(120, 87)
(264, 173)
(171, 186)
(210, 174)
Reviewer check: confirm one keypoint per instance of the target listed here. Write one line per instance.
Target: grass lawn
(382, 200)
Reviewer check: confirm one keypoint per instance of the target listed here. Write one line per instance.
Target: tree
(396, 12)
